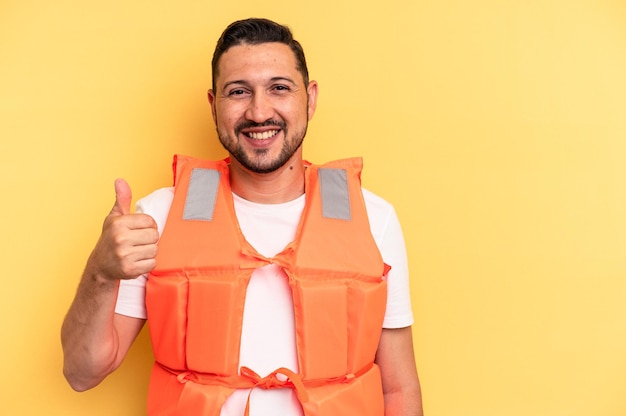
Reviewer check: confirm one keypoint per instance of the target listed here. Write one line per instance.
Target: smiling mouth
(262, 135)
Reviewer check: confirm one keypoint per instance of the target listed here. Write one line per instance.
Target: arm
(95, 340)
(396, 360)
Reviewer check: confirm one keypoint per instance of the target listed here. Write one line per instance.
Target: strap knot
(183, 377)
(283, 377)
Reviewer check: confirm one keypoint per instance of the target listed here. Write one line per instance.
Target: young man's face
(261, 106)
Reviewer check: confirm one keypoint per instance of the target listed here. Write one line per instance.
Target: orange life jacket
(195, 296)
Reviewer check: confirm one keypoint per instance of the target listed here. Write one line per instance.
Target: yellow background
(497, 128)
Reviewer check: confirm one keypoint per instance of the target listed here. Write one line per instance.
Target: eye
(280, 88)
(236, 92)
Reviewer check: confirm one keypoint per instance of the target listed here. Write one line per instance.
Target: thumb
(123, 197)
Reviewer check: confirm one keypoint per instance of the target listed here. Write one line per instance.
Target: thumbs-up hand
(128, 244)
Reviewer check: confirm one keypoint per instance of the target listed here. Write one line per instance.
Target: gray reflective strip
(201, 195)
(335, 194)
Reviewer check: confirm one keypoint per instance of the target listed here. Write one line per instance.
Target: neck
(282, 185)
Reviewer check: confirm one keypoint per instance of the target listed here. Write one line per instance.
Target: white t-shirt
(268, 334)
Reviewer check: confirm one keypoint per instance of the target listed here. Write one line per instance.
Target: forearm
(406, 402)
(88, 335)
(401, 385)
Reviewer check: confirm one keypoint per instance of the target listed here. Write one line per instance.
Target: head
(261, 98)
(255, 31)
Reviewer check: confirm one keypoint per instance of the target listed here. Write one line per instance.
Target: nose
(260, 108)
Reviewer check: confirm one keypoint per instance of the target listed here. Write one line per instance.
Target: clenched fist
(128, 244)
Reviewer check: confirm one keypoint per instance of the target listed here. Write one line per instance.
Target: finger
(141, 236)
(123, 198)
(134, 222)
(145, 266)
(137, 268)
(134, 260)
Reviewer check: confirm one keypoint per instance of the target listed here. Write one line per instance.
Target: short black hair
(255, 31)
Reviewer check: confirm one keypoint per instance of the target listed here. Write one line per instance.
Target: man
(271, 292)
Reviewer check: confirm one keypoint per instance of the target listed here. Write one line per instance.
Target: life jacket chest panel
(195, 296)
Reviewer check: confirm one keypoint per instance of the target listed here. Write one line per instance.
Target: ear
(211, 96)
(312, 91)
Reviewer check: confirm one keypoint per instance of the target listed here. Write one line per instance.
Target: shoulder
(158, 197)
(376, 205)
(381, 214)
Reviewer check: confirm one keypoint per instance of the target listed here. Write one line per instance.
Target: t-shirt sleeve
(388, 235)
(131, 296)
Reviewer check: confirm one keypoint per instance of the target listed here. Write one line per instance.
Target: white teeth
(262, 136)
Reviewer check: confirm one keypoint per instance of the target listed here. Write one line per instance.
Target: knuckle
(128, 270)
(145, 220)
(119, 241)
